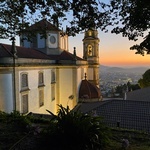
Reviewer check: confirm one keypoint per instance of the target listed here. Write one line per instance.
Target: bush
(18, 122)
(76, 131)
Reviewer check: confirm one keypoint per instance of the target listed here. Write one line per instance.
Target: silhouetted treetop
(131, 18)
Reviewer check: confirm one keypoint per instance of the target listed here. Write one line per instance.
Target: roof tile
(22, 52)
(43, 24)
(65, 55)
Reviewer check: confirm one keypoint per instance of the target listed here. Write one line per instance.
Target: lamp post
(14, 53)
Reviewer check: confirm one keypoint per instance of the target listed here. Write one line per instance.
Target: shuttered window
(25, 103)
(24, 80)
(41, 97)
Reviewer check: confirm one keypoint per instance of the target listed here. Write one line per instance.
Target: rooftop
(129, 114)
(140, 94)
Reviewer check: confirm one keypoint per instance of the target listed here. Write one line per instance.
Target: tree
(132, 19)
(18, 15)
(132, 87)
(121, 89)
(129, 17)
(145, 81)
(135, 87)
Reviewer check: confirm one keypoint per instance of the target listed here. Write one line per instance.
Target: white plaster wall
(62, 42)
(66, 42)
(33, 100)
(6, 93)
(49, 104)
(66, 86)
(90, 74)
(79, 79)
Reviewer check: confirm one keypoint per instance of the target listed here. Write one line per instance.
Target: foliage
(138, 140)
(18, 15)
(75, 130)
(129, 17)
(132, 19)
(121, 89)
(145, 81)
(18, 121)
(13, 126)
(132, 87)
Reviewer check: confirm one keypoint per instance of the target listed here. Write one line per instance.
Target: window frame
(40, 78)
(53, 92)
(24, 81)
(22, 103)
(41, 97)
(53, 76)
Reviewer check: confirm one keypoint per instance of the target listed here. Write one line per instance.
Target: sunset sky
(114, 50)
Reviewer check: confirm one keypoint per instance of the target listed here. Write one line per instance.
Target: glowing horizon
(114, 50)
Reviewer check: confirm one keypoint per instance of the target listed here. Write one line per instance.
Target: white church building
(41, 73)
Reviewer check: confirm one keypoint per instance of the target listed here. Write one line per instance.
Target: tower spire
(91, 54)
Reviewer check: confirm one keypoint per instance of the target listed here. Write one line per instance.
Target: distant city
(111, 77)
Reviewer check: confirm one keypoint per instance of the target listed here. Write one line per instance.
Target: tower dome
(89, 92)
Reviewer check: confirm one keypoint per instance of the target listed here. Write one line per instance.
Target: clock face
(90, 50)
(52, 39)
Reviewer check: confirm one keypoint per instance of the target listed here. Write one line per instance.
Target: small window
(53, 92)
(41, 97)
(24, 81)
(90, 33)
(24, 103)
(41, 78)
(53, 79)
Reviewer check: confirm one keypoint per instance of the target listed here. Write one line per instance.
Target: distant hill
(125, 70)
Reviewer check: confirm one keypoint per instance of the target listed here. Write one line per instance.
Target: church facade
(41, 73)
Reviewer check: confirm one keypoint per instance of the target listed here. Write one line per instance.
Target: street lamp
(14, 53)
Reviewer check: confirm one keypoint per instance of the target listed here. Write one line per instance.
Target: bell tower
(91, 54)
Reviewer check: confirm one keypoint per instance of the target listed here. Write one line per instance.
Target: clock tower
(91, 54)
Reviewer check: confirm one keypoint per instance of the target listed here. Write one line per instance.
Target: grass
(137, 140)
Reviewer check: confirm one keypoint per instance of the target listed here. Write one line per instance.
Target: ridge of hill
(125, 70)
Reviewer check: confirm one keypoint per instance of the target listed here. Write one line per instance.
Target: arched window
(41, 78)
(53, 78)
(24, 81)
